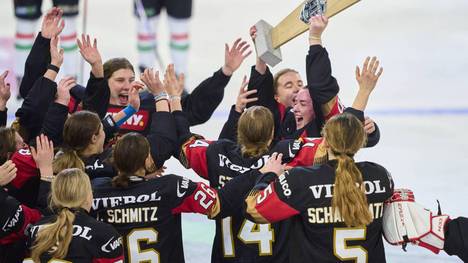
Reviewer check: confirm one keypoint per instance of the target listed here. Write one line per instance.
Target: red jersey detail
(200, 201)
(336, 109)
(182, 36)
(31, 216)
(119, 259)
(307, 153)
(282, 110)
(24, 36)
(26, 167)
(195, 153)
(270, 207)
(137, 122)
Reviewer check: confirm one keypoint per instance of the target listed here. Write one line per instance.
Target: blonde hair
(255, 131)
(70, 189)
(345, 135)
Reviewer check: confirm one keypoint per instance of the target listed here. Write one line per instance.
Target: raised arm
(205, 98)
(40, 57)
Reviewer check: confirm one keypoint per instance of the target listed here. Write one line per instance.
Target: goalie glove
(405, 221)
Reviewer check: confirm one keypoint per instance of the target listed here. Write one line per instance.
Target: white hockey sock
(70, 48)
(179, 43)
(146, 40)
(24, 39)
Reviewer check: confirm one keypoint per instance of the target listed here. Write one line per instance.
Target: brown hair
(78, 132)
(114, 64)
(7, 143)
(129, 156)
(255, 131)
(70, 189)
(278, 75)
(345, 135)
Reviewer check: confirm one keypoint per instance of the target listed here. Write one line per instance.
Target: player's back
(320, 235)
(146, 215)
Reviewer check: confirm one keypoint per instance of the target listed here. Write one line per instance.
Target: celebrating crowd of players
(82, 168)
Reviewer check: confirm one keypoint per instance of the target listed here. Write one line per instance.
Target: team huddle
(82, 168)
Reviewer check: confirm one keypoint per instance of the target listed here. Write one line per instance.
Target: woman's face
(289, 85)
(119, 84)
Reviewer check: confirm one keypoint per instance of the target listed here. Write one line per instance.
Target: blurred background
(420, 103)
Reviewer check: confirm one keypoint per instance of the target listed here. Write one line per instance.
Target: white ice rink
(420, 104)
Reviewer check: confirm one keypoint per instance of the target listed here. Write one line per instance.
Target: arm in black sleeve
(456, 241)
(374, 137)
(3, 117)
(323, 87)
(54, 122)
(43, 195)
(264, 86)
(162, 137)
(182, 127)
(34, 108)
(97, 96)
(36, 64)
(229, 130)
(357, 113)
(205, 98)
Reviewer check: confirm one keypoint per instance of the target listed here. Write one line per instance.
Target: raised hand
(52, 24)
(43, 155)
(5, 91)
(274, 164)
(368, 77)
(242, 98)
(63, 90)
(174, 86)
(369, 125)
(7, 172)
(234, 56)
(317, 25)
(134, 94)
(89, 50)
(152, 81)
(253, 33)
(56, 53)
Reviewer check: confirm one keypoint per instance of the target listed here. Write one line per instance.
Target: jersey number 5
(345, 252)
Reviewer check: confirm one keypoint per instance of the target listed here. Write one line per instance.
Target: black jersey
(92, 241)
(238, 239)
(147, 214)
(318, 234)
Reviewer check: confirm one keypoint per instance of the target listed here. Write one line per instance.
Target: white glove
(405, 221)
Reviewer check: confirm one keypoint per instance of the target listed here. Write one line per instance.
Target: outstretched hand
(274, 164)
(317, 25)
(134, 94)
(234, 56)
(63, 90)
(43, 155)
(89, 50)
(368, 77)
(56, 53)
(7, 172)
(52, 24)
(152, 81)
(5, 91)
(174, 85)
(242, 98)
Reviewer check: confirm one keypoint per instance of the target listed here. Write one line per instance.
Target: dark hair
(129, 156)
(278, 75)
(7, 143)
(114, 64)
(78, 132)
(345, 135)
(255, 131)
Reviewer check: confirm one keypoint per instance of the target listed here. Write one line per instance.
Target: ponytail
(54, 238)
(68, 158)
(122, 180)
(348, 196)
